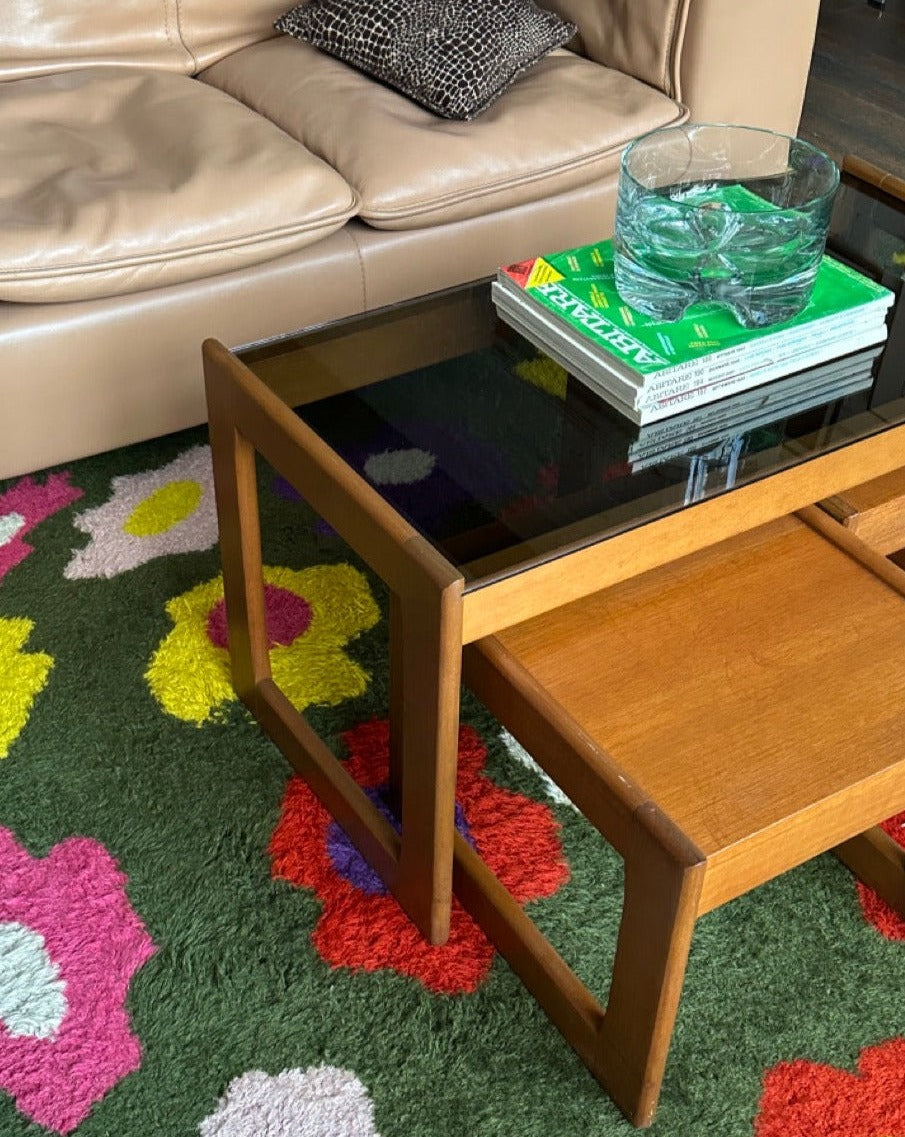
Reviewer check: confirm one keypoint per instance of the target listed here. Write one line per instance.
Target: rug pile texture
(189, 945)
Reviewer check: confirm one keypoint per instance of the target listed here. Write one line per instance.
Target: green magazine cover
(577, 289)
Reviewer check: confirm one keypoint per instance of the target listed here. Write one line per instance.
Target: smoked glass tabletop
(503, 460)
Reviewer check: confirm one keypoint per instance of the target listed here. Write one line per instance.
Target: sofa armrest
(741, 61)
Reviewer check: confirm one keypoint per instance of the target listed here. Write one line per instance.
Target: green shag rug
(189, 946)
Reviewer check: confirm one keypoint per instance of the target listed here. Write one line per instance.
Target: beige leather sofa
(175, 169)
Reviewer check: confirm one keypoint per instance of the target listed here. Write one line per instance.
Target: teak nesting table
(716, 683)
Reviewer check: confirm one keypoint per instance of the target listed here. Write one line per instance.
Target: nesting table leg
(240, 553)
(879, 861)
(663, 879)
(625, 1044)
(426, 651)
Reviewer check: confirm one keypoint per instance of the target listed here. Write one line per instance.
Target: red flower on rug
(808, 1099)
(884, 918)
(361, 926)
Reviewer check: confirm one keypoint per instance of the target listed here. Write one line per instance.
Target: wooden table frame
(425, 631)
(670, 880)
(432, 614)
(432, 620)
(434, 617)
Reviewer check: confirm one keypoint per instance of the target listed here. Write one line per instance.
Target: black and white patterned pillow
(452, 56)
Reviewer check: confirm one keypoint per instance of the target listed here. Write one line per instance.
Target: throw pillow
(452, 56)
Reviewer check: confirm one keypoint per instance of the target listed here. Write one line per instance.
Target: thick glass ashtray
(731, 215)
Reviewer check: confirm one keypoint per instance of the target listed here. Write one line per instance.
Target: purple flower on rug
(284, 489)
(70, 943)
(22, 507)
(348, 861)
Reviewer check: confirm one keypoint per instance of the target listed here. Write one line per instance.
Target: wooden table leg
(879, 861)
(426, 634)
(663, 879)
(426, 655)
(240, 555)
(624, 1045)
(396, 643)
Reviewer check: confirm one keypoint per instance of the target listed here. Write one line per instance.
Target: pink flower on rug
(71, 943)
(361, 926)
(809, 1099)
(22, 507)
(884, 918)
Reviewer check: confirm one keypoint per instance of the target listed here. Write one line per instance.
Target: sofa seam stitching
(666, 76)
(185, 46)
(172, 254)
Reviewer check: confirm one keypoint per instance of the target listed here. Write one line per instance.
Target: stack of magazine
(567, 305)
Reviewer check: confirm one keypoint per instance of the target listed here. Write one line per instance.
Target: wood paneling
(855, 98)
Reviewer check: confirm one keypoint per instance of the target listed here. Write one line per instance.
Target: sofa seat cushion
(560, 126)
(117, 179)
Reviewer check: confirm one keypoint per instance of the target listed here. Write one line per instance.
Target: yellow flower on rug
(311, 613)
(22, 676)
(544, 373)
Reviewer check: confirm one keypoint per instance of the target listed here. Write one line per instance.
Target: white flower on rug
(152, 514)
(515, 750)
(32, 994)
(322, 1101)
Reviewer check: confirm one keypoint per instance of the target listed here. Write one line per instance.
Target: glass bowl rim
(686, 127)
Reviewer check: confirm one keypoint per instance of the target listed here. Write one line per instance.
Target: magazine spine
(775, 369)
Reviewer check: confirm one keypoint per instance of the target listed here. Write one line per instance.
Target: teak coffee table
(706, 661)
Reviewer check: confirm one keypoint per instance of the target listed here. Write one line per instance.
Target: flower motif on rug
(70, 943)
(809, 1099)
(361, 926)
(152, 514)
(22, 676)
(22, 507)
(283, 488)
(322, 1101)
(544, 373)
(519, 754)
(884, 918)
(311, 615)
(409, 470)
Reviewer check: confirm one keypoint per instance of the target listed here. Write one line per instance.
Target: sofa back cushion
(638, 37)
(39, 37)
(212, 29)
(44, 36)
